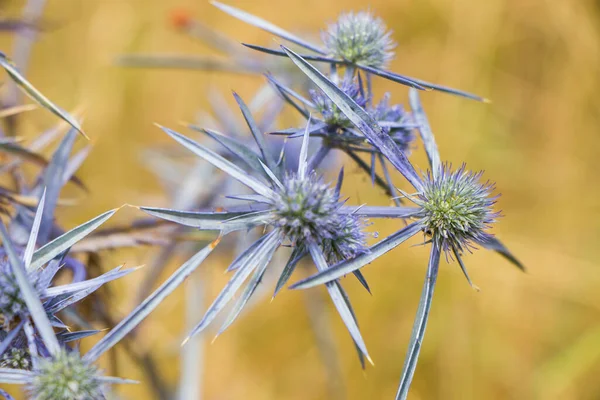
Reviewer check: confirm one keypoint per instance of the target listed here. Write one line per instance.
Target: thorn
(187, 339)
(486, 100)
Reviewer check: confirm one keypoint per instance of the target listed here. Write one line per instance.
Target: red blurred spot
(181, 19)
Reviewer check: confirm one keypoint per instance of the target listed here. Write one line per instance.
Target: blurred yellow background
(524, 336)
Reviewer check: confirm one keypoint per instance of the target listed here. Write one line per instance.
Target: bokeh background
(523, 336)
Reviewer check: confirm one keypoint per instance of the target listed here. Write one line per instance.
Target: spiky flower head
(12, 304)
(308, 210)
(360, 38)
(66, 376)
(330, 113)
(458, 209)
(16, 358)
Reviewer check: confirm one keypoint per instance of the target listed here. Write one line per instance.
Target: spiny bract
(360, 38)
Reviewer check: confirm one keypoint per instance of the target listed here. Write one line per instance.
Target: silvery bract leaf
(10, 336)
(52, 180)
(363, 121)
(289, 268)
(143, 310)
(266, 26)
(420, 84)
(280, 53)
(262, 252)
(219, 221)
(416, 340)
(404, 80)
(258, 135)
(34, 305)
(66, 240)
(382, 212)
(339, 301)
(240, 150)
(494, 244)
(221, 163)
(72, 288)
(247, 293)
(11, 376)
(34, 232)
(67, 337)
(425, 130)
(36, 95)
(345, 267)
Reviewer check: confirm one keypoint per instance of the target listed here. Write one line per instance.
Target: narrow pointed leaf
(266, 26)
(303, 158)
(338, 300)
(382, 212)
(134, 318)
(53, 182)
(36, 95)
(248, 292)
(66, 240)
(289, 91)
(34, 232)
(221, 163)
(34, 305)
(219, 221)
(361, 355)
(363, 281)
(240, 150)
(244, 257)
(72, 288)
(259, 137)
(67, 337)
(426, 133)
(494, 244)
(404, 80)
(309, 57)
(10, 376)
(418, 332)
(263, 251)
(289, 268)
(345, 267)
(464, 269)
(363, 121)
(10, 336)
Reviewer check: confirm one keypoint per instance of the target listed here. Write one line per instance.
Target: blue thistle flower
(66, 376)
(338, 132)
(356, 41)
(360, 38)
(453, 208)
(294, 207)
(58, 372)
(457, 208)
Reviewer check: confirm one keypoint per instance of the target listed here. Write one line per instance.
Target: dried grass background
(524, 336)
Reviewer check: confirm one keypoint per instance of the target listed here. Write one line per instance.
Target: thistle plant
(356, 41)
(336, 131)
(453, 209)
(293, 207)
(59, 372)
